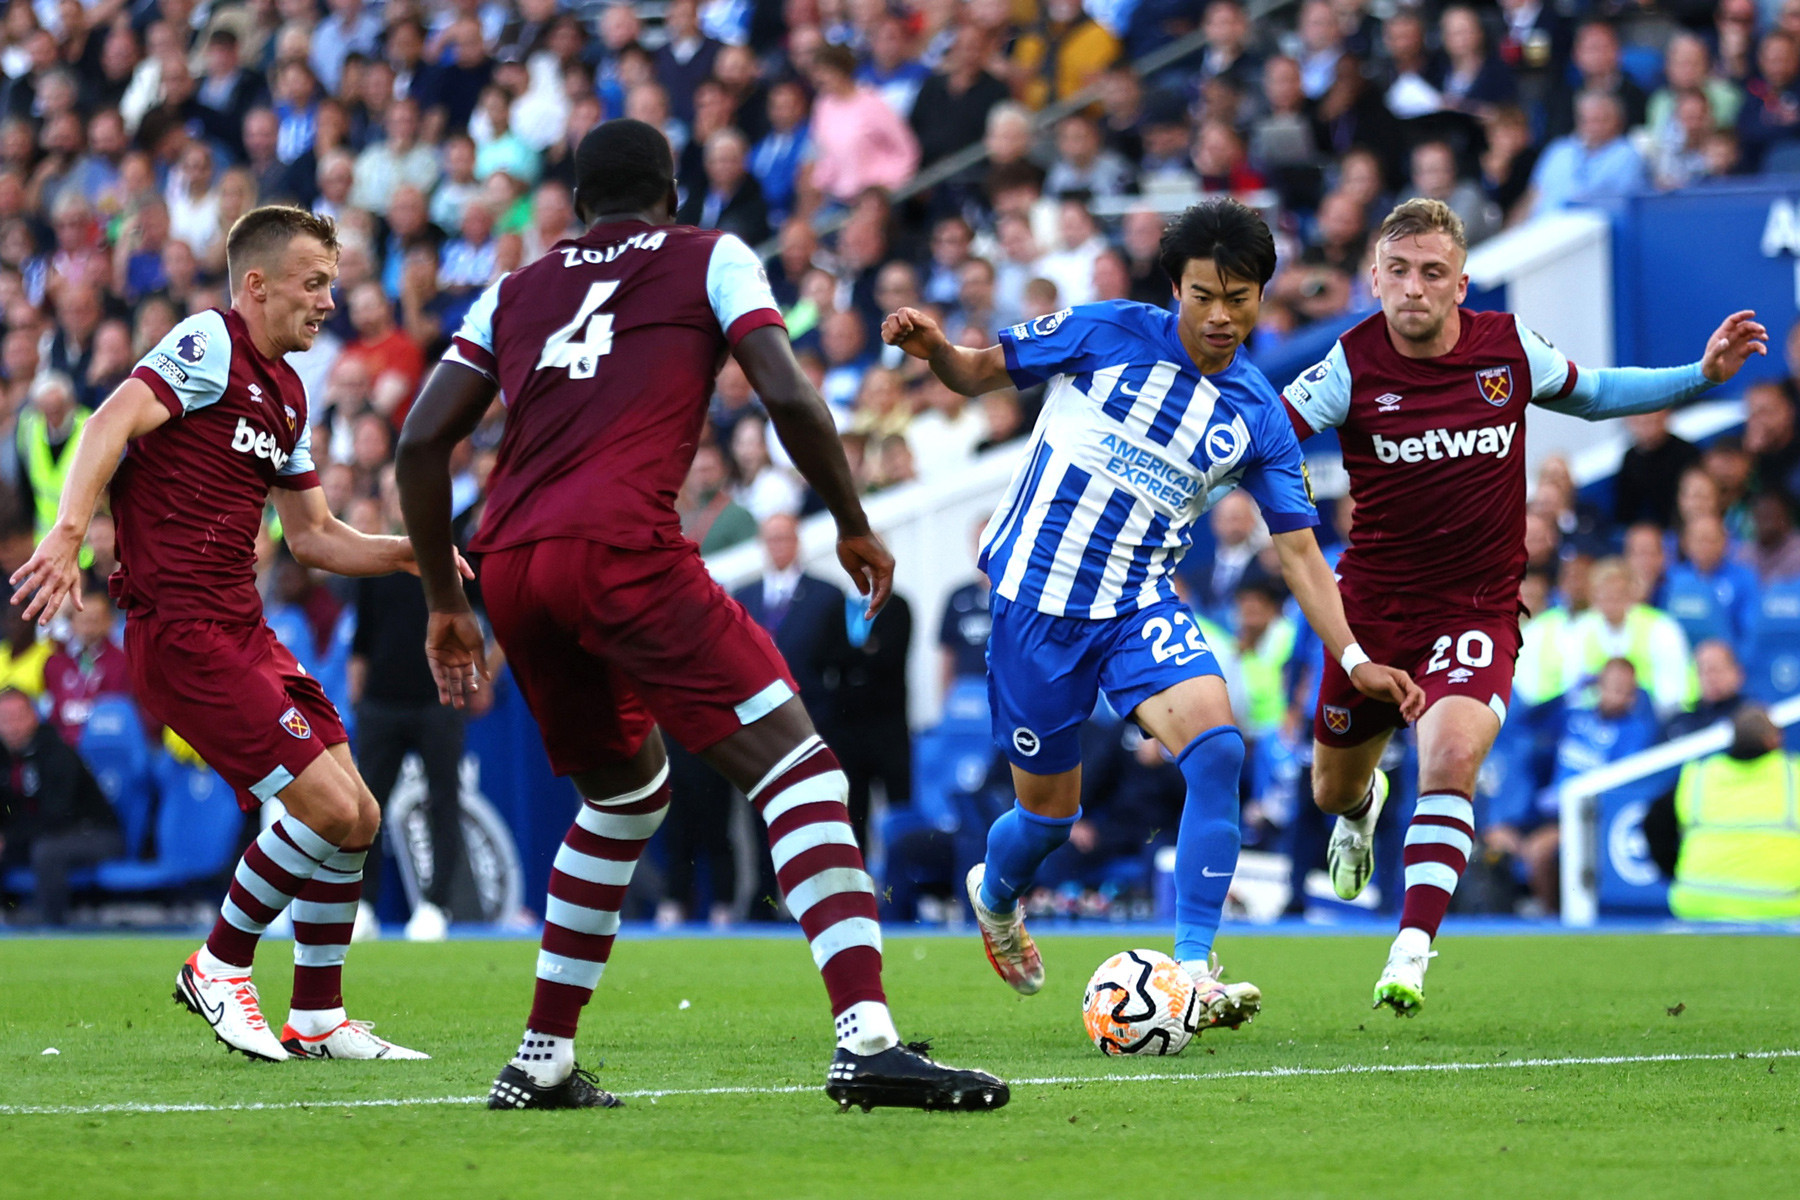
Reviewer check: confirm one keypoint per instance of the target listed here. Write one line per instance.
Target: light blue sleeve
(1277, 479)
(1321, 394)
(473, 345)
(300, 462)
(187, 369)
(1623, 391)
(1061, 343)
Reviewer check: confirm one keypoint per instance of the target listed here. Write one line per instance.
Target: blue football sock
(1206, 849)
(1017, 843)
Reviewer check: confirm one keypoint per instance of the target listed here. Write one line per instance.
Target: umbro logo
(1387, 402)
(1461, 675)
(256, 393)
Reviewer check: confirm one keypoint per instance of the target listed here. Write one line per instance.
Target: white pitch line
(1607, 1060)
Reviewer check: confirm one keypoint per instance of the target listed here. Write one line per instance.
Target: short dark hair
(622, 165)
(263, 232)
(1230, 233)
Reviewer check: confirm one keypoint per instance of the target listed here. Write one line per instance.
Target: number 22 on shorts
(1157, 631)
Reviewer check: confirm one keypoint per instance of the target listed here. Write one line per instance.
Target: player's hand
(458, 656)
(914, 332)
(1392, 685)
(410, 564)
(1732, 344)
(51, 573)
(870, 565)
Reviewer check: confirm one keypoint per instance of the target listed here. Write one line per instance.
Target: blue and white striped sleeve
(1277, 479)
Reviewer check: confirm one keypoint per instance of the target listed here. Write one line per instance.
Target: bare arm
(962, 370)
(807, 431)
(319, 539)
(446, 412)
(1309, 577)
(52, 572)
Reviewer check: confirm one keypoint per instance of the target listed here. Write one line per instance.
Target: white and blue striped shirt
(1132, 448)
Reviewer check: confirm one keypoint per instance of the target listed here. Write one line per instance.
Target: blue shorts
(1045, 672)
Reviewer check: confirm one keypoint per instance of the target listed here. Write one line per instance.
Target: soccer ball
(1140, 1002)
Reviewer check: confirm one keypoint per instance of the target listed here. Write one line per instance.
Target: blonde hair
(1419, 216)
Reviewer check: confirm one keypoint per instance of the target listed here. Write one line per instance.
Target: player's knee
(368, 822)
(1333, 790)
(1453, 764)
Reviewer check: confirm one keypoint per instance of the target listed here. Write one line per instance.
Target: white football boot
(228, 1003)
(1402, 983)
(428, 923)
(1009, 948)
(1350, 857)
(1222, 1005)
(350, 1039)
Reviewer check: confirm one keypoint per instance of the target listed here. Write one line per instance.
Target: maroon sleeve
(161, 387)
(1301, 429)
(752, 320)
(298, 483)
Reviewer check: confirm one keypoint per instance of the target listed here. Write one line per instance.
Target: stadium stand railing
(1581, 796)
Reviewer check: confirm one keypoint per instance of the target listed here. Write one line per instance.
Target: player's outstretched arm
(319, 539)
(1603, 392)
(1309, 577)
(52, 572)
(968, 372)
(807, 431)
(446, 412)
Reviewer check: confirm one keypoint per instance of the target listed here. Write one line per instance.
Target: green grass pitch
(1685, 1116)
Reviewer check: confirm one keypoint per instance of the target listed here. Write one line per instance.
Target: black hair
(1231, 234)
(1268, 589)
(622, 166)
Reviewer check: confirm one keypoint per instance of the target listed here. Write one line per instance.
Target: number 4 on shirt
(596, 331)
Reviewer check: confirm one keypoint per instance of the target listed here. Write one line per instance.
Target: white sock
(545, 1057)
(1413, 942)
(1197, 968)
(212, 966)
(1365, 824)
(866, 1027)
(315, 1022)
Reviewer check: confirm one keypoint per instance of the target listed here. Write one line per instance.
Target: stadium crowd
(440, 135)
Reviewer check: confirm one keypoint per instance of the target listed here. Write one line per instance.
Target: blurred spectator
(1320, 47)
(1644, 488)
(955, 102)
(1265, 645)
(776, 159)
(1727, 835)
(966, 625)
(399, 158)
(398, 714)
(1708, 595)
(53, 815)
(1062, 54)
(891, 68)
(805, 616)
(872, 740)
(709, 516)
(49, 429)
(1510, 157)
(686, 59)
(87, 665)
(1407, 91)
(1688, 66)
(1619, 723)
(1721, 681)
(1469, 77)
(453, 89)
(1770, 116)
(1682, 151)
(1238, 536)
(1620, 625)
(858, 141)
(1228, 54)
(763, 488)
(732, 199)
(379, 343)
(1648, 562)
(1774, 552)
(1434, 175)
(1733, 470)
(1769, 434)
(1283, 136)
(1598, 59)
(1071, 268)
(1083, 164)
(1593, 163)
